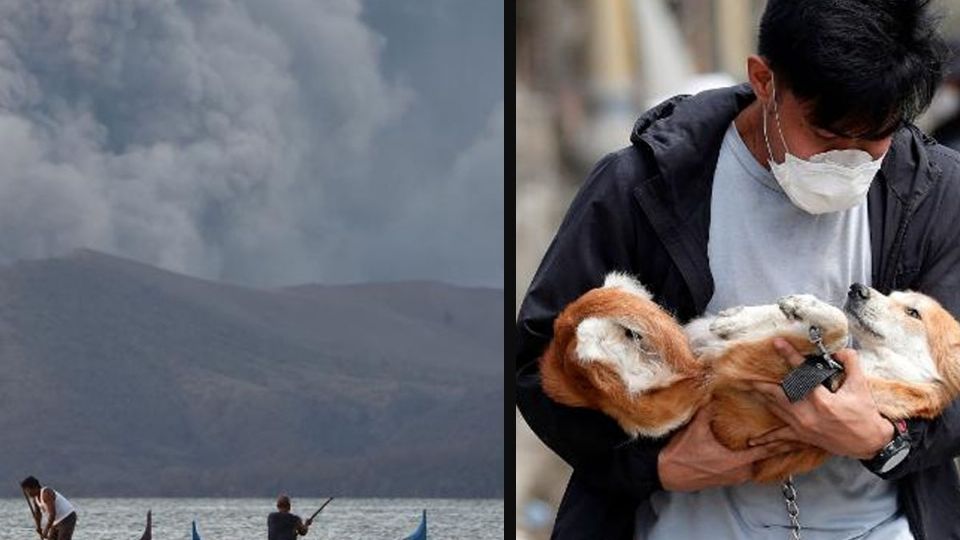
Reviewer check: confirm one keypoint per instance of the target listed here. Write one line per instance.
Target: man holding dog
(805, 180)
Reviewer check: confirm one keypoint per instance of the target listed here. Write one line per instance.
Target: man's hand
(695, 460)
(845, 423)
(308, 522)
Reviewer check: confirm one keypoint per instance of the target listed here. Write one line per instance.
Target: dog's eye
(632, 335)
(913, 313)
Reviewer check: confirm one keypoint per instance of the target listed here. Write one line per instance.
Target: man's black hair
(30, 482)
(861, 68)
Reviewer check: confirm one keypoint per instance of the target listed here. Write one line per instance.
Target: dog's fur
(615, 350)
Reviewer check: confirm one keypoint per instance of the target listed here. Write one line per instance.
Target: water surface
(241, 519)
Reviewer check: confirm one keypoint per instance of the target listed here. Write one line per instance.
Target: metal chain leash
(793, 511)
(788, 489)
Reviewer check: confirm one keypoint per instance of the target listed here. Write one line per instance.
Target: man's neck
(749, 125)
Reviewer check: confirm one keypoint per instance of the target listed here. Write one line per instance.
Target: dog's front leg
(747, 322)
(901, 400)
(806, 311)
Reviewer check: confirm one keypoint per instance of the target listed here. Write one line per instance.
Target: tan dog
(617, 351)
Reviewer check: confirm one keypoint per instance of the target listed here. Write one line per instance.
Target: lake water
(242, 519)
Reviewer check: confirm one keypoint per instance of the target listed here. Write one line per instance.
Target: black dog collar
(818, 368)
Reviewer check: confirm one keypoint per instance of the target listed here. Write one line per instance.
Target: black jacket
(646, 210)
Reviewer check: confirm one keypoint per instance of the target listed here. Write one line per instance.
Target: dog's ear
(628, 283)
(946, 354)
(943, 338)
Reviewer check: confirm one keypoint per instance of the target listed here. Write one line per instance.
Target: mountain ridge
(151, 383)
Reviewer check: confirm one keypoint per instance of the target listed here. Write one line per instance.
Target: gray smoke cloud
(267, 143)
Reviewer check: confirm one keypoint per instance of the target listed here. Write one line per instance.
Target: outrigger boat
(421, 532)
(148, 532)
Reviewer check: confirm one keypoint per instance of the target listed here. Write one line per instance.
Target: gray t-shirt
(762, 247)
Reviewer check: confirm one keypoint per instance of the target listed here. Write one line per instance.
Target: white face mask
(827, 182)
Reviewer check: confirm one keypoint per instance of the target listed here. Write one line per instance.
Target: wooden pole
(321, 508)
(34, 513)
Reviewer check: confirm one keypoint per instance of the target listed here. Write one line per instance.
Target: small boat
(421, 532)
(148, 532)
(196, 535)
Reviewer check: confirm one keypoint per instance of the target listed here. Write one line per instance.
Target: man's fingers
(785, 433)
(765, 451)
(773, 394)
(850, 361)
(704, 413)
(742, 474)
(768, 389)
(787, 352)
(794, 358)
(779, 404)
(701, 419)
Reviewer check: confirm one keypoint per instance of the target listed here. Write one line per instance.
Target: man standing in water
(58, 516)
(283, 525)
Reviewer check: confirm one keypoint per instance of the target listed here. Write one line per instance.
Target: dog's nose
(859, 291)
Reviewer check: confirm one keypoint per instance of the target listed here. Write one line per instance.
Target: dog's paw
(799, 307)
(743, 322)
(811, 311)
(730, 312)
(795, 306)
(728, 322)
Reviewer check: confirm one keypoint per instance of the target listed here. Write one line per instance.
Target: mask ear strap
(776, 112)
(766, 139)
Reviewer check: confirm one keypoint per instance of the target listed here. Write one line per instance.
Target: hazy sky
(262, 142)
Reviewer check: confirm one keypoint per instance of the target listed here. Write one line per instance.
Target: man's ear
(761, 78)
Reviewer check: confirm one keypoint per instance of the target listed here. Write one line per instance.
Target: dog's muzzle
(858, 293)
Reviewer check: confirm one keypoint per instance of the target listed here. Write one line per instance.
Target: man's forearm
(50, 520)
